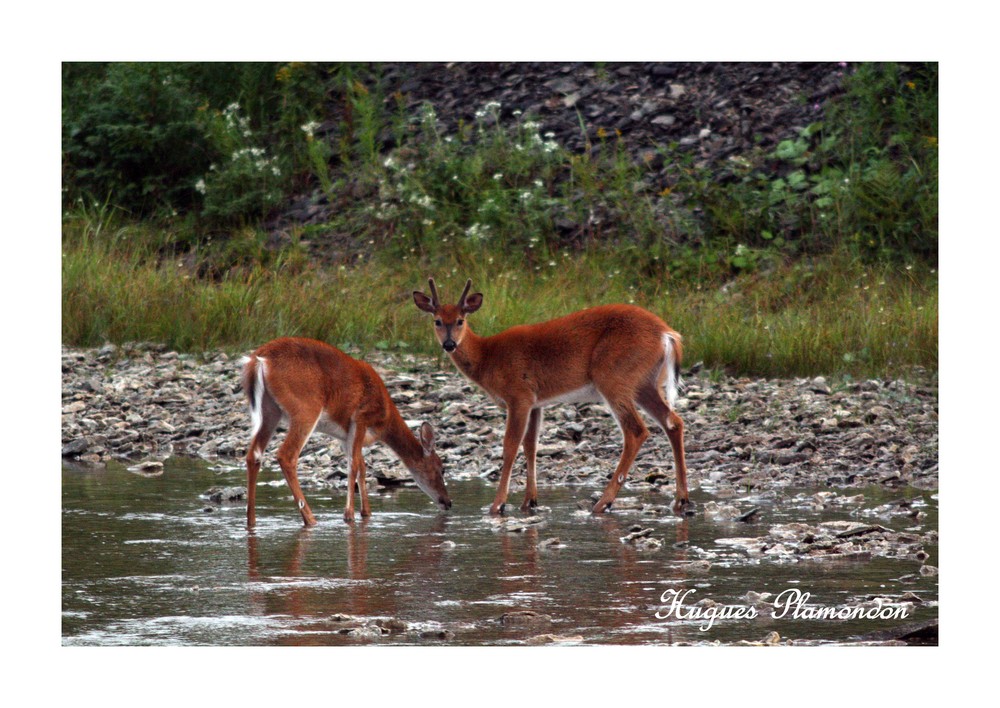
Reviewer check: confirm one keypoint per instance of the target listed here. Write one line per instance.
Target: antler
(461, 300)
(434, 293)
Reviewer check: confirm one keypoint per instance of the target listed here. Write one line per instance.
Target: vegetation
(816, 257)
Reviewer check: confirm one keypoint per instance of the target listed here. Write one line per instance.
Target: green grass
(833, 316)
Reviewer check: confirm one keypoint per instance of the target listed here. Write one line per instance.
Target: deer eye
(460, 322)
(438, 323)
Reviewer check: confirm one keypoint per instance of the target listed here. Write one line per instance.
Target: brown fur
(617, 349)
(306, 379)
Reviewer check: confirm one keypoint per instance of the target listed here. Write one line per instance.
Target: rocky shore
(140, 404)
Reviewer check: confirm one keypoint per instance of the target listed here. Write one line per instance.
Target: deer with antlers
(621, 355)
(315, 386)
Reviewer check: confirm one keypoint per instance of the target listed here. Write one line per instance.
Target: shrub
(130, 133)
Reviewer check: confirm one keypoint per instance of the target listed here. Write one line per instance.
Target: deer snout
(444, 503)
(449, 345)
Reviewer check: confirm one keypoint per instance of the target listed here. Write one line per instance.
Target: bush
(131, 134)
(219, 139)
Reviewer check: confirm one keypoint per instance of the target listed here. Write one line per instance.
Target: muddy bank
(143, 404)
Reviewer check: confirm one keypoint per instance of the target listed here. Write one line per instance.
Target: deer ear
(427, 437)
(472, 303)
(423, 302)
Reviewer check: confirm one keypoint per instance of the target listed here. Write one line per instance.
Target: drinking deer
(618, 354)
(315, 386)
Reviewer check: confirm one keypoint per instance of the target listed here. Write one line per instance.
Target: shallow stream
(148, 560)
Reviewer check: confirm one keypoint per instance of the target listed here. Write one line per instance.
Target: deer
(312, 386)
(621, 355)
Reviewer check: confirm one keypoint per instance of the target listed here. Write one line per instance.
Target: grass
(834, 316)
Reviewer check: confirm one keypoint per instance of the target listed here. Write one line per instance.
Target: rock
(391, 626)
(554, 639)
(75, 447)
(913, 634)
(819, 385)
(552, 543)
(636, 532)
(524, 618)
(746, 517)
(220, 495)
(517, 525)
(149, 468)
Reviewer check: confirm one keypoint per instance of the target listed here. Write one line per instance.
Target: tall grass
(835, 316)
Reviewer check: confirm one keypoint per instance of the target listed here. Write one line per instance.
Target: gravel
(142, 403)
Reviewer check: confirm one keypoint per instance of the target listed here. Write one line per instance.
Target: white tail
(619, 354)
(313, 386)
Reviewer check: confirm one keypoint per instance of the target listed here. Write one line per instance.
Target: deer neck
(469, 355)
(401, 440)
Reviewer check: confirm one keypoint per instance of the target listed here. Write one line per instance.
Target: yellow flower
(666, 192)
(910, 85)
(931, 140)
(602, 133)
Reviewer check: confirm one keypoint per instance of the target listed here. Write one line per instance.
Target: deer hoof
(603, 506)
(683, 507)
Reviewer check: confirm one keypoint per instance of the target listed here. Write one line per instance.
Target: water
(144, 563)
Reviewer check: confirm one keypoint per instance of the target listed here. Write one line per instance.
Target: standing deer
(314, 386)
(619, 354)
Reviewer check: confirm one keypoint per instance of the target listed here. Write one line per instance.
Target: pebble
(143, 402)
(149, 468)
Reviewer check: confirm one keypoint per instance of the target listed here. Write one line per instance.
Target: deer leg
(348, 444)
(651, 400)
(517, 420)
(270, 416)
(634, 433)
(354, 447)
(288, 458)
(530, 444)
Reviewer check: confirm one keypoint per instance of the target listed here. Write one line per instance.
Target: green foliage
(224, 144)
(866, 178)
(246, 182)
(130, 133)
(490, 184)
(161, 138)
(888, 143)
